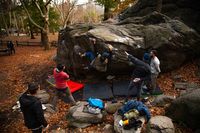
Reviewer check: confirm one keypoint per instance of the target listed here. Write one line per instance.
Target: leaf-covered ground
(35, 64)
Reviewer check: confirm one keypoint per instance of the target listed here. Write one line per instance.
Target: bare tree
(44, 13)
(65, 8)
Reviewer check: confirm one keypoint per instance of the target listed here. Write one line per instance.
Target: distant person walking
(140, 74)
(62, 88)
(155, 69)
(11, 47)
(31, 108)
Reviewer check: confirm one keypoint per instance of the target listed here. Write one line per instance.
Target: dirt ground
(34, 64)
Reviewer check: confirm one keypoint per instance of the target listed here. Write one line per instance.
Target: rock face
(174, 41)
(78, 118)
(186, 109)
(160, 124)
(179, 9)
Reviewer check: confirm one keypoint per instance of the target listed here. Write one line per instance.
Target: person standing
(11, 47)
(140, 74)
(31, 108)
(155, 69)
(62, 88)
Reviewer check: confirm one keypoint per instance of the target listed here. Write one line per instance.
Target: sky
(82, 1)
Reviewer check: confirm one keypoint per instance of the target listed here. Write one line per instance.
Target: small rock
(59, 130)
(160, 124)
(119, 129)
(108, 128)
(47, 115)
(162, 100)
(49, 108)
(43, 96)
(182, 92)
(112, 107)
(80, 119)
(177, 78)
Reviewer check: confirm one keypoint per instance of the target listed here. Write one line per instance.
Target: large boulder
(80, 119)
(160, 124)
(178, 9)
(186, 109)
(175, 42)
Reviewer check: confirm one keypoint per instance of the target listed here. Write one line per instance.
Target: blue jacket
(90, 55)
(133, 104)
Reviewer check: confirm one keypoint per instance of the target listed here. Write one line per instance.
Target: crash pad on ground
(100, 90)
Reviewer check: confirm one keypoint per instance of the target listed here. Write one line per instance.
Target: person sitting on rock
(141, 73)
(62, 88)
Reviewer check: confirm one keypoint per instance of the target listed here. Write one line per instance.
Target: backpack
(94, 102)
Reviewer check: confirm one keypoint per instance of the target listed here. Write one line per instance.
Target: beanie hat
(146, 56)
(32, 86)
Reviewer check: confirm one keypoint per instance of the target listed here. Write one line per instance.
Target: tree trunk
(106, 13)
(31, 31)
(22, 23)
(42, 38)
(16, 23)
(45, 31)
(159, 6)
(4, 21)
(45, 40)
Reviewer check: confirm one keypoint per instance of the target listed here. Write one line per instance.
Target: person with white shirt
(155, 69)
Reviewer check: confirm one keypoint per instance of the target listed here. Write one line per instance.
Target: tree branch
(48, 2)
(32, 21)
(38, 6)
(59, 10)
(69, 12)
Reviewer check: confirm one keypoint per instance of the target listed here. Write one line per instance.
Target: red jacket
(61, 79)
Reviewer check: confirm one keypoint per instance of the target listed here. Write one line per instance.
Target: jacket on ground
(139, 106)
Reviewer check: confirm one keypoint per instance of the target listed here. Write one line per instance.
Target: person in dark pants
(31, 108)
(141, 73)
(11, 47)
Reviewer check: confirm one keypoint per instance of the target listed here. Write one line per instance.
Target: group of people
(98, 61)
(146, 71)
(31, 106)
